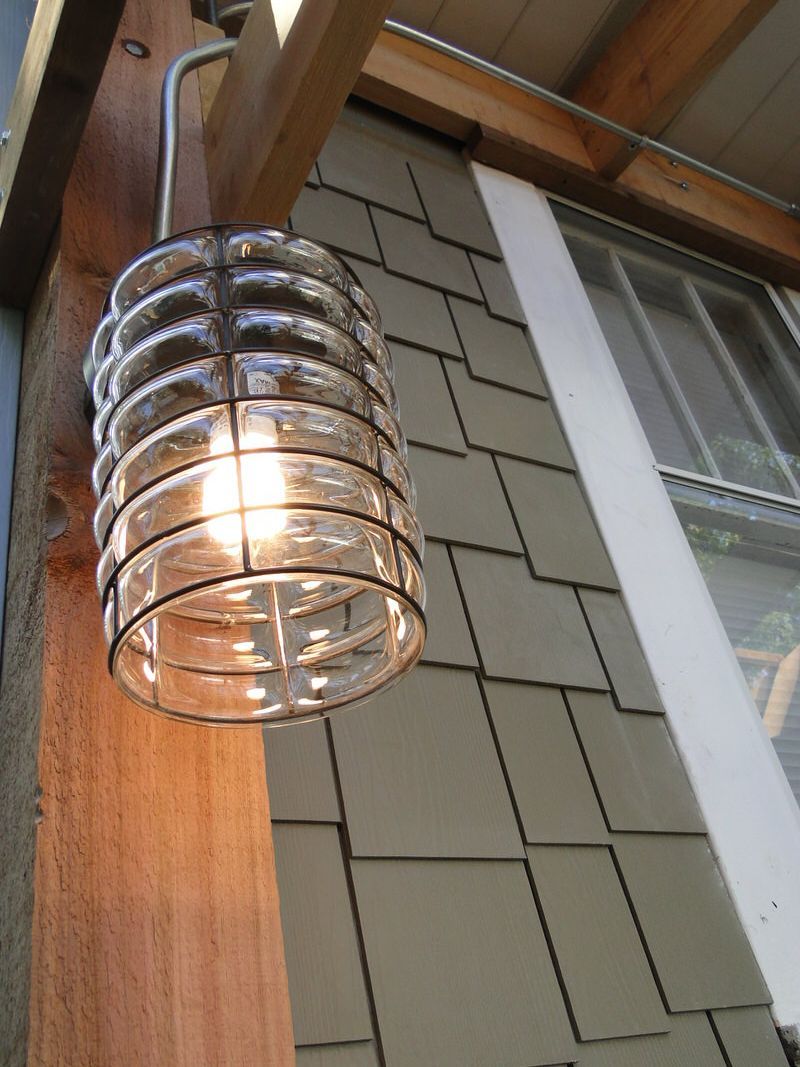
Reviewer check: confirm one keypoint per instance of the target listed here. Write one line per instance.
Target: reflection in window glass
(668, 435)
(740, 452)
(710, 367)
(764, 366)
(749, 556)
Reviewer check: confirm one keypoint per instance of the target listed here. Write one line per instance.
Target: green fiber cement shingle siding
(500, 862)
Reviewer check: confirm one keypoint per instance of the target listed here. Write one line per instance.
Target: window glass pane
(712, 370)
(749, 556)
(671, 443)
(739, 450)
(761, 360)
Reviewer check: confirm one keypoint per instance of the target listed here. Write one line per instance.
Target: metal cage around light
(261, 560)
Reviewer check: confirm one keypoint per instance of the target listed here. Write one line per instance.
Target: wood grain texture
(209, 77)
(505, 128)
(20, 686)
(655, 65)
(284, 87)
(156, 926)
(58, 77)
(10, 361)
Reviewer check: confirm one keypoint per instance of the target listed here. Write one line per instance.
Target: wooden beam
(513, 131)
(66, 51)
(292, 71)
(156, 936)
(210, 76)
(655, 65)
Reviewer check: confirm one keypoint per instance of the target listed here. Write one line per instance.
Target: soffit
(743, 119)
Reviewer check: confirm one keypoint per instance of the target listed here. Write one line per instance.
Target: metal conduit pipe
(169, 128)
(635, 140)
(165, 193)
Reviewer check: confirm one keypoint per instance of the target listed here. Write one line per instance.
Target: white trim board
(752, 817)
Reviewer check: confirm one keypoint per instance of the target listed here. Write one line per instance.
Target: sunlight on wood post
(156, 924)
(296, 63)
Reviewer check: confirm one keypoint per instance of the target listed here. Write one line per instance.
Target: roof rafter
(655, 65)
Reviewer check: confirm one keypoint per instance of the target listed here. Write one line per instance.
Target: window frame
(752, 817)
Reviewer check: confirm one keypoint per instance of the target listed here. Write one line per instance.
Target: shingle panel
(460, 969)
(461, 499)
(699, 948)
(355, 1054)
(690, 1043)
(412, 313)
(527, 630)
(409, 250)
(607, 976)
(498, 290)
(556, 524)
(496, 351)
(339, 221)
(326, 983)
(541, 753)
(508, 422)
(622, 656)
(362, 157)
(638, 773)
(300, 774)
(448, 641)
(420, 774)
(429, 417)
(749, 1038)
(453, 207)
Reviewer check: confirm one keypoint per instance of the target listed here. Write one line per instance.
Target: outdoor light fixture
(261, 559)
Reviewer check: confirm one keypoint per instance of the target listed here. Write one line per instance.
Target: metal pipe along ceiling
(634, 139)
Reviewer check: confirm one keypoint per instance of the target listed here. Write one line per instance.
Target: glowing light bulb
(263, 486)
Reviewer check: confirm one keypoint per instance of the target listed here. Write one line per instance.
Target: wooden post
(284, 88)
(156, 928)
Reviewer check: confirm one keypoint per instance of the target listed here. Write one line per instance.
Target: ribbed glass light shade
(261, 560)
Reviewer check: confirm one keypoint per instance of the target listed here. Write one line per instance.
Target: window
(714, 376)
